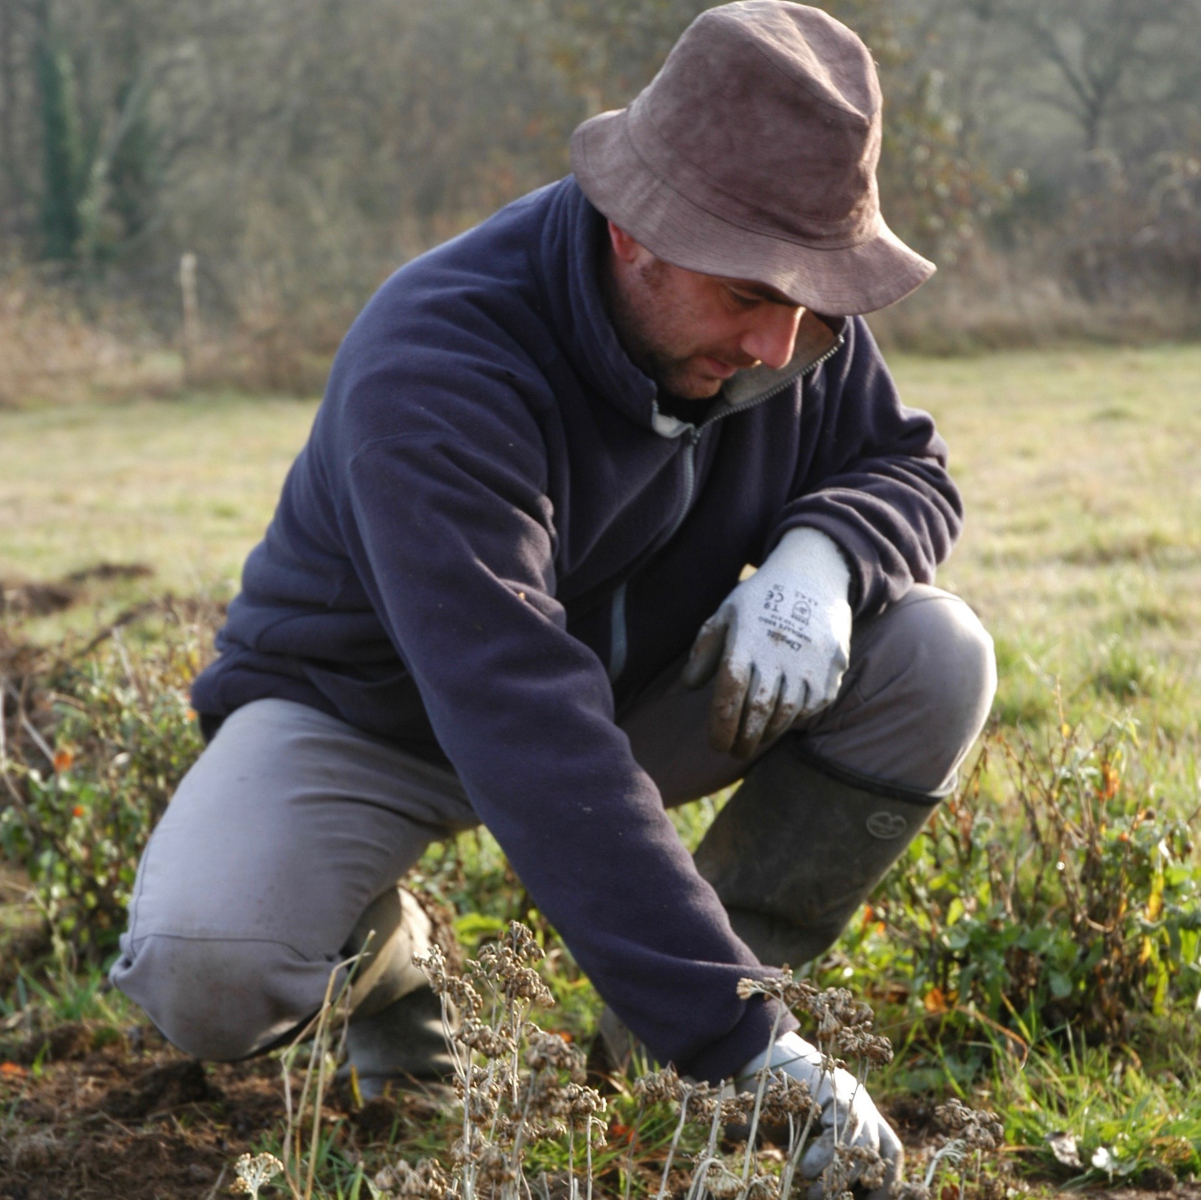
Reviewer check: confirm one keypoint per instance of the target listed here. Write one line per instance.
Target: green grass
(185, 486)
(1082, 551)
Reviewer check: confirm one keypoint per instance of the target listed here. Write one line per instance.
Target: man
(503, 585)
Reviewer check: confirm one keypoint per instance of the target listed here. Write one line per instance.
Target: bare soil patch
(134, 1119)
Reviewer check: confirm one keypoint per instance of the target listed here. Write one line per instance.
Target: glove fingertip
(818, 1157)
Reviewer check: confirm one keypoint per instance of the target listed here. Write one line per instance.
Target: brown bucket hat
(752, 155)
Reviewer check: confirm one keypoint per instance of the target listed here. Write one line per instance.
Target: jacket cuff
(726, 1057)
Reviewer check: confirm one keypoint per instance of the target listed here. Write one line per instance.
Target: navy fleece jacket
(493, 536)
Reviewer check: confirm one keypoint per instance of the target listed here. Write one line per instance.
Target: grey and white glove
(779, 643)
(848, 1114)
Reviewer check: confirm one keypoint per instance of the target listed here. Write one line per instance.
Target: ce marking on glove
(787, 630)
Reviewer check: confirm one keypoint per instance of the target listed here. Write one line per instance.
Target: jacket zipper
(618, 640)
(618, 634)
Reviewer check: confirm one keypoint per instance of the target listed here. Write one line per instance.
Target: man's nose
(772, 337)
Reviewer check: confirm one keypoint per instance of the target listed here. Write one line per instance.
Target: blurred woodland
(1047, 153)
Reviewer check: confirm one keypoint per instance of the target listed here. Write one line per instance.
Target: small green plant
(1087, 912)
(82, 803)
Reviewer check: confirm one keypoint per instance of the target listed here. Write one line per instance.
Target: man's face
(691, 332)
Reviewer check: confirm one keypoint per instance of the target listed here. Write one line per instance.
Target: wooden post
(191, 314)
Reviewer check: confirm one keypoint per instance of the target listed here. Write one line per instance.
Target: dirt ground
(134, 1119)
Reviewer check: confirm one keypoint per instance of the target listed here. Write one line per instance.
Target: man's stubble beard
(636, 314)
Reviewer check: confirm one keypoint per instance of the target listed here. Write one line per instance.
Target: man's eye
(744, 299)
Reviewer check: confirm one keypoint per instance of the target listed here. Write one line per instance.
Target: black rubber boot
(800, 846)
(395, 1035)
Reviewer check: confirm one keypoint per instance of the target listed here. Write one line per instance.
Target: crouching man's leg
(828, 808)
(277, 857)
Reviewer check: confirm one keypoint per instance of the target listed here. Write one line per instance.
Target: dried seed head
(835, 1009)
(978, 1129)
(658, 1086)
(544, 1095)
(700, 1109)
(521, 941)
(425, 1181)
(792, 993)
(506, 972)
(912, 1191)
(584, 1101)
(836, 1178)
(491, 1043)
(736, 1110)
(856, 1042)
(465, 998)
(446, 984)
(721, 1182)
(549, 1052)
(784, 1097)
(434, 966)
(481, 1101)
(872, 1168)
(762, 1187)
(254, 1171)
(494, 1165)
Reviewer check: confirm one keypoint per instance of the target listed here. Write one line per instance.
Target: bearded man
(506, 583)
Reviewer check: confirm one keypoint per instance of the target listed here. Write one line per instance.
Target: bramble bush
(1085, 909)
(120, 737)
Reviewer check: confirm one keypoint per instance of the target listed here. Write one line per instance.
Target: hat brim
(842, 281)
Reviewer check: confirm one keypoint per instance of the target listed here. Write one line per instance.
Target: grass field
(1082, 554)
(1082, 551)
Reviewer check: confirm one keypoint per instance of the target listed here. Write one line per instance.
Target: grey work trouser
(292, 822)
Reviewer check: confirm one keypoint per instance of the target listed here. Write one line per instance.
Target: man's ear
(624, 246)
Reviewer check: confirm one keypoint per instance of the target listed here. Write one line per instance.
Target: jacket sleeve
(876, 481)
(448, 524)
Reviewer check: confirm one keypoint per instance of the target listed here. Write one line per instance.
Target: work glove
(779, 643)
(848, 1114)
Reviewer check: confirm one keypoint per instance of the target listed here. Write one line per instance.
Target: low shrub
(1082, 910)
(85, 796)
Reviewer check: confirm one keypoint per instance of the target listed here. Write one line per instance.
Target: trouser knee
(916, 697)
(221, 999)
(956, 677)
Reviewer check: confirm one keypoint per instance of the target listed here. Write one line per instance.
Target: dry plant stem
(796, 1146)
(675, 1141)
(588, 1153)
(710, 1156)
(759, 1093)
(573, 1188)
(625, 1192)
(318, 1029)
(519, 1138)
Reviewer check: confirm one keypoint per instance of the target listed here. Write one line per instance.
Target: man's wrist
(789, 1048)
(817, 556)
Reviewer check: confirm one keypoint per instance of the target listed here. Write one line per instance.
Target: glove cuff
(787, 1050)
(815, 556)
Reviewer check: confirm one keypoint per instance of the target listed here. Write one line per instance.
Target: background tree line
(301, 151)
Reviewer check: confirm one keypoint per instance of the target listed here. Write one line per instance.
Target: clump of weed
(518, 1084)
(106, 739)
(1086, 912)
(966, 1136)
